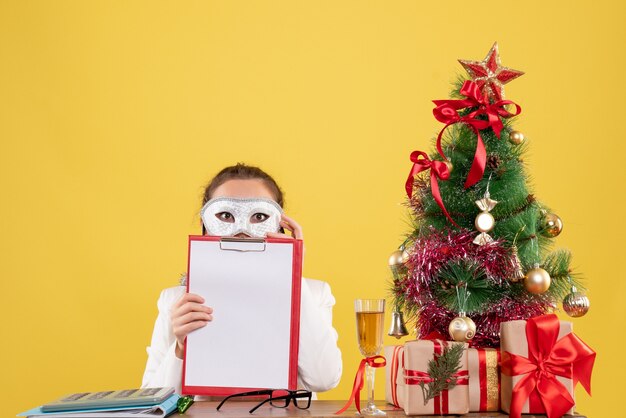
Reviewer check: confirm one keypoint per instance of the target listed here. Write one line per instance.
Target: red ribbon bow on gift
(438, 169)
(447, 112)
(568, 357)
(358, 381)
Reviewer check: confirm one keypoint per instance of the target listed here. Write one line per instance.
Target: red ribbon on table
(438, 170)
(415, 377)
(358, 382)
(447, 112)
(568, 357)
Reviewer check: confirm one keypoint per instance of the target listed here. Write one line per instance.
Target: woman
(180, 313)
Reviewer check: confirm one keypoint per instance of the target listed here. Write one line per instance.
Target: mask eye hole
(258, 217)
(225, 217)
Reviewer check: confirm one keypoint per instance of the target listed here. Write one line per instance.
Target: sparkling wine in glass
(370, 318)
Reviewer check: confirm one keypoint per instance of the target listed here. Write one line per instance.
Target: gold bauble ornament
(396, 258)
(462, 329)
(449, 165)
(576, 304)
(551, 225)
(484, 222)
(516, 137)
(405, 256)
(537, 280)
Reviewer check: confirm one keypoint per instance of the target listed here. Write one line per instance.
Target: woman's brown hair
(241, 171)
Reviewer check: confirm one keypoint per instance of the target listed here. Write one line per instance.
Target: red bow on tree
(438, 169)
(447, 112)
(548, 358)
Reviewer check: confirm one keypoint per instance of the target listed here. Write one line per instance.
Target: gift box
(542, 360)
(417, 380)
(484, 379)
(393, 372)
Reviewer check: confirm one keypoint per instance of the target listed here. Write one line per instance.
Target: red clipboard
(254, 288)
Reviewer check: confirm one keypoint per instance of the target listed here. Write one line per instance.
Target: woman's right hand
(188, 314)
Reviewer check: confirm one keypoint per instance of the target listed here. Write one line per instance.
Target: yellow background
(114, 114)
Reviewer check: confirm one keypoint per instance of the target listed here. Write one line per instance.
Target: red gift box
(542, 361)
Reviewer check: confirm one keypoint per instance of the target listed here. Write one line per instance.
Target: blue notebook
(161, 410)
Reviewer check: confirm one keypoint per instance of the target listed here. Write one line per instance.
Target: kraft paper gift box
(393, 372)
(484, 379)
(541, 362)
(417, 355)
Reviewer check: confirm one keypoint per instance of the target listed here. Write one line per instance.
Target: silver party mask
(229, 216)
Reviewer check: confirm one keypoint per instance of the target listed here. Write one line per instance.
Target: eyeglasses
(279, 398)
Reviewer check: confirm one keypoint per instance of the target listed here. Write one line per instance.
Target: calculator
(109, 399)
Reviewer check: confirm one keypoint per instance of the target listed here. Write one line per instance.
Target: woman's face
(242, 189)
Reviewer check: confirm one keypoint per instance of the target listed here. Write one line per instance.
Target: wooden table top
(318, 409)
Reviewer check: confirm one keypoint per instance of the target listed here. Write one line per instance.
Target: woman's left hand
(289, 225)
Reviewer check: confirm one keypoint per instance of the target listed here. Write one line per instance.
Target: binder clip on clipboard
(242, 244)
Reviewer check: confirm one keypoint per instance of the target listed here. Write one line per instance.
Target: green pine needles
(471, 278)
(442, 370)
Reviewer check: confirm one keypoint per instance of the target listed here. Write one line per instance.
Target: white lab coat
(319, 358)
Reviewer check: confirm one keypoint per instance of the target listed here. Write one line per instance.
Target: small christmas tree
(478, 253)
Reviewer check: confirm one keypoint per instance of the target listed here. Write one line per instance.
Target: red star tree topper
(490, 75)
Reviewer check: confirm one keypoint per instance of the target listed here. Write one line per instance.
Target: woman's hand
(290, 225)
(188, 314)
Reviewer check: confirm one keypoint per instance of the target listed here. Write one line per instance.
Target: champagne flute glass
(370, 317)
